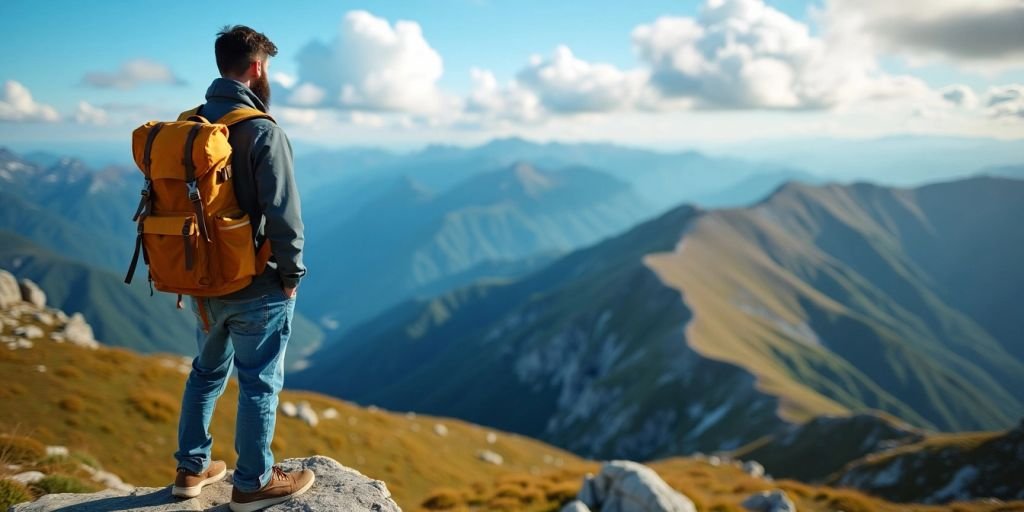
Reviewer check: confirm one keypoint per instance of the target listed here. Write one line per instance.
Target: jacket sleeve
(278, 197)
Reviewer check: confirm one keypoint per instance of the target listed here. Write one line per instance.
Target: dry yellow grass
(122, 408)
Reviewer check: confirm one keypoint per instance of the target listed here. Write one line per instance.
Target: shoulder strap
(243, 114)
(189, 113)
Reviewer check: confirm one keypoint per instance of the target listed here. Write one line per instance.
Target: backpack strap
(190, 182)
(243, 114)
(184, 116)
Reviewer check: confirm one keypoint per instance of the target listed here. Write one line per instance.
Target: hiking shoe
(281, 487)
(188, 484)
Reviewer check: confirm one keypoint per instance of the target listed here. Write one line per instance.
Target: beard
(261, 88)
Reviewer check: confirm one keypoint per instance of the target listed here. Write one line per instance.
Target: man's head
(243, 55)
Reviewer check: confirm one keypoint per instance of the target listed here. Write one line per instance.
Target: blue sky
(595, 76)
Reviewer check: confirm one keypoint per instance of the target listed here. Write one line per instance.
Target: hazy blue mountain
(69, 208)
(706, 330)
(348, 177)
(409, 240)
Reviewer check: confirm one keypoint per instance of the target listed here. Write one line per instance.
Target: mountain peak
(533, 181)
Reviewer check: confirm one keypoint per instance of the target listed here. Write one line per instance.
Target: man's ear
(256, 69)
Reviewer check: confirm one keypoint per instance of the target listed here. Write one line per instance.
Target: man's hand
(290, 292)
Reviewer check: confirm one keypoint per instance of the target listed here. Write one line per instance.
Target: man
(258, 318)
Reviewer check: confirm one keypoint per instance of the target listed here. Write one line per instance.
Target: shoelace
(279, 474)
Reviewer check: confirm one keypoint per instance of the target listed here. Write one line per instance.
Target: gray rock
(29, 331)
(307, 414)
(79, 332)
(337, 488)
(491, 457)
(28, 477)
(32, 293)
(753, 468)
(10, 294)
(575, 506)
(624, 486)
(769, 501)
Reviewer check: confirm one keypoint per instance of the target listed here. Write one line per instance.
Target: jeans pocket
(250, 317)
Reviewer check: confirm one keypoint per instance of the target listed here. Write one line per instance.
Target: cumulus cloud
(371, 65)
(1006, 101)
(17, 104)
(86, 113)
(132, 74)
(491, 101)
(981, 31)
(567, 84)
(745, 54)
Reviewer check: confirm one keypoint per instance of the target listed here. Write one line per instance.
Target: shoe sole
(262, 504)
(192, 492)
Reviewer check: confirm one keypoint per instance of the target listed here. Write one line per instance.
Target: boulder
(307, 414)
(79, 332)
(28, 477)
(624, 486)
(440, 429)
(29, 331)
(753, 468)
(289, 409)
(336, 488)
(490, 457)
(32, 293)
(769, 501)
(10, 294)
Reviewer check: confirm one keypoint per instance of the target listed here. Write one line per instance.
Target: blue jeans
(258, 330)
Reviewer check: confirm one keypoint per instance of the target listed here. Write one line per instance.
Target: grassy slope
(551, 360)
(813, 451)
(813, 292)
(121, 408)
(985, 463)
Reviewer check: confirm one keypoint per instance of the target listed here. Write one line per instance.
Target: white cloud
(16, 104)
(132, 74)
(740, 54)
(307, 94)
(1006, 101)
(90, 114)
(984, 32)
(284, 79)
(373, 65)
(492, 102)
(567, 84)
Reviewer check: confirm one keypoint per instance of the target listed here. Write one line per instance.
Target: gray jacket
(264, 180)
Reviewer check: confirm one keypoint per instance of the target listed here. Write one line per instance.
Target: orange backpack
(191, 232)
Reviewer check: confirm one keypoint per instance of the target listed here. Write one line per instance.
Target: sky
(657, 73)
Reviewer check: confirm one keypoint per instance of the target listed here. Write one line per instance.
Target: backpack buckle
(193, 191)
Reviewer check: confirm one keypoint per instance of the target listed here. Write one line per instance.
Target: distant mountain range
(68, 227)
(705, 330)
(350, 177)
(410, 241)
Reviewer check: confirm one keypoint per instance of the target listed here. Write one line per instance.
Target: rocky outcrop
(10, 293)
(78, 331)
(32, 293)
(337, 488)
(25, 319)
(624, 486)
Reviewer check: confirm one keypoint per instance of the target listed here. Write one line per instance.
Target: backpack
(190, 230)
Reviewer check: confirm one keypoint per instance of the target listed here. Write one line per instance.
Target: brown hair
(238, 46)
